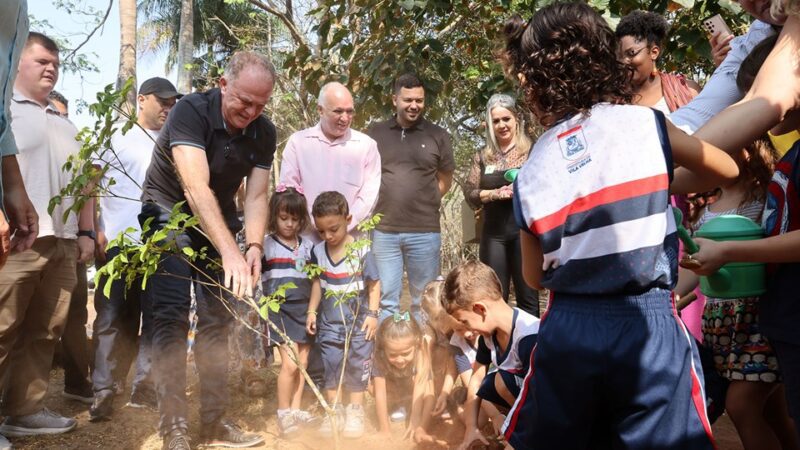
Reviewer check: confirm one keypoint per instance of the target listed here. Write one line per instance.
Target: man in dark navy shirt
(210, 142)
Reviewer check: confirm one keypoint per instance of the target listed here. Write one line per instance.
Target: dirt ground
(137, 429)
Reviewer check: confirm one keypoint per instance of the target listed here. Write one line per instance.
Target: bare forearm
(204, 205)
(256, 214)
(315, 297)
(86, 216)
(784, 248)
(473, 402)
(381, 404)
(445, 181)
(12, 178)
(374, 295)
(427, 405)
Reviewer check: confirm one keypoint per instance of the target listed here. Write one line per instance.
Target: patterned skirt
(731, 332)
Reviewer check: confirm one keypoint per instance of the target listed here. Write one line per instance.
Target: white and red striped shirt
(595, 191)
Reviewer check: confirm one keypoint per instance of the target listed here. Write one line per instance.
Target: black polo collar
(419, 125)
(215, 111)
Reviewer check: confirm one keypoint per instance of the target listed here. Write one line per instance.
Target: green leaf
(188, 251)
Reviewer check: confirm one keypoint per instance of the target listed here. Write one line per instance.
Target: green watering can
(733, 280)
(511, 175)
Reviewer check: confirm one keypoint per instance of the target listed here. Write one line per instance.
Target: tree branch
(296, 34)
(89, 36)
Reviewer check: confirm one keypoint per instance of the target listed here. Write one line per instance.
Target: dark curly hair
(566, 57)
(291, 202)
(644, 25)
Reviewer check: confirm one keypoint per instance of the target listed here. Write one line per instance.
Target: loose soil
(137, 429)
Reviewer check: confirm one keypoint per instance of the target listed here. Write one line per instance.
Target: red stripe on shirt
(604, 196)
(570, 131)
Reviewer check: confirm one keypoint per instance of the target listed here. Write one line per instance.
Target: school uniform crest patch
(573, 143)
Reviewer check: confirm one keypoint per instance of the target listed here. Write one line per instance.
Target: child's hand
(440, 405)
(370, 325)
(311, 324)
(708, 259)
(471, 436)
(497, 424)
(422, 437)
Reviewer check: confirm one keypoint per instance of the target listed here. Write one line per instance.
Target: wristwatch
(372, 313)
(88, 233)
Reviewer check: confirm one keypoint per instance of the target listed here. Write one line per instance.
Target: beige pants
(35, 290)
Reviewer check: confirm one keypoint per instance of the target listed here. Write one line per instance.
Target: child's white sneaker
(288, 424)
(398, 415)
(326, 428)
(354, 422)
(304, 418)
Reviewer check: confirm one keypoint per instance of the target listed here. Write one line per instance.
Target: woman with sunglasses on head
(488, 188)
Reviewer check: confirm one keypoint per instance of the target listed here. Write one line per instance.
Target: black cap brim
(167, 94)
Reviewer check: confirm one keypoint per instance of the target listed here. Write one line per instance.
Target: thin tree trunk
(186, 47)
(127, 50)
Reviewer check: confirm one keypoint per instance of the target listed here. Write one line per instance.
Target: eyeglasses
(630, 53)
(339, 112)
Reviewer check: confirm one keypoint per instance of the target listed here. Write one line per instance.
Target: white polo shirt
(45, 140)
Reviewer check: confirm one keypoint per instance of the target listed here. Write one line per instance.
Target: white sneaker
(43, 422)
(304, 418)
(288, 424)
(354, 422)
(326, 428)
(4, 443)
(398, 415)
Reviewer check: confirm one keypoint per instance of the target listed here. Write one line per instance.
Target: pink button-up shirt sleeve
(290, 169)
(367, 196)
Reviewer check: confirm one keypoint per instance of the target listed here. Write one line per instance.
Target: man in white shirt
(117, 324)
(36, 284)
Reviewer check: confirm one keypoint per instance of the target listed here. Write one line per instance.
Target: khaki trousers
(35, 290)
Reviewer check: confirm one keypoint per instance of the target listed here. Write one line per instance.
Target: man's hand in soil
(237, 274)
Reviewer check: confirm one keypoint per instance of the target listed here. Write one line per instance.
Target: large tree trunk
(186, 47)
(127, 50)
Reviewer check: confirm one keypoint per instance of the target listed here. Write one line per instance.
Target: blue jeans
(418, 253)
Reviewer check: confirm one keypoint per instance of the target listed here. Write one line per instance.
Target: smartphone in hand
(715, 24)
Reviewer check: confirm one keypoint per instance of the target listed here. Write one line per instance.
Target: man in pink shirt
(330, 156)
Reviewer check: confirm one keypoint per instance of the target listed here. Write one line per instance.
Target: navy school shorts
(488, 389)
(358, 365)
(612, 372)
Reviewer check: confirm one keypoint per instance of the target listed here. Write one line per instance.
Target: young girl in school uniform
(402, 375)
(285, 255)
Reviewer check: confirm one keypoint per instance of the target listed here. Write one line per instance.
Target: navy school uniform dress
(281, 265)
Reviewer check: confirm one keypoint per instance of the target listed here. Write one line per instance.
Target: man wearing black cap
(117, 324)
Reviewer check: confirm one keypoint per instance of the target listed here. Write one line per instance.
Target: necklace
(292, 247)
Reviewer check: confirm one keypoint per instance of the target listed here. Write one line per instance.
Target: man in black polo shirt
(416, 171)
(210, 142)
